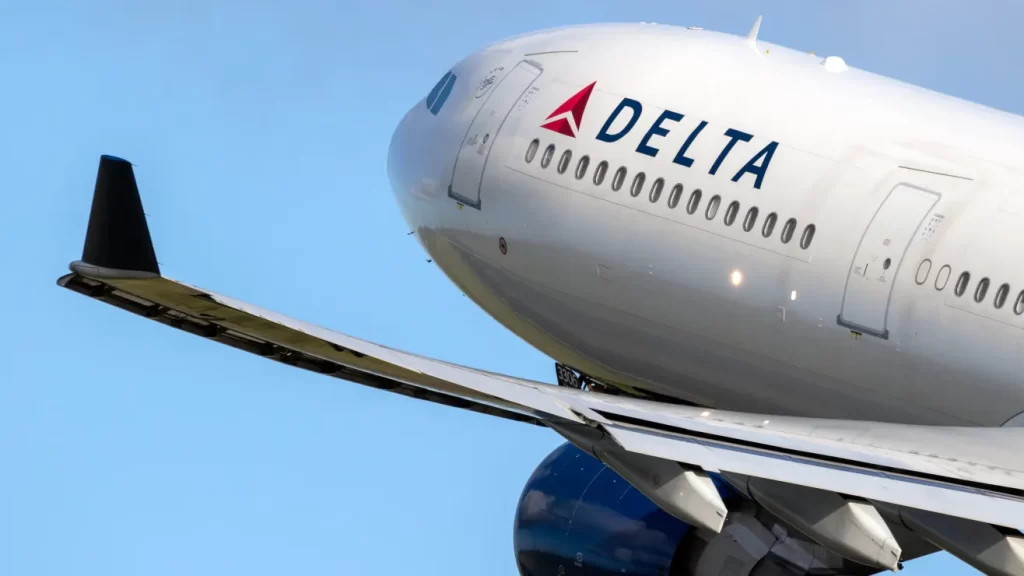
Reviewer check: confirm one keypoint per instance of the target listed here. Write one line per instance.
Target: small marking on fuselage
(937, 173)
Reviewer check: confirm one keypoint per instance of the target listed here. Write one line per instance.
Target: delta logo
(568, 117)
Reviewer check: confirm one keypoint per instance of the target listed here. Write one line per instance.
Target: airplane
(779, 292)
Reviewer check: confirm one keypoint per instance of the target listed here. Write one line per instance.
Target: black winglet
(118, 236)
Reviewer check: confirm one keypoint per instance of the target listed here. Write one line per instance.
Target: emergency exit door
(483, 131)
(879, 257)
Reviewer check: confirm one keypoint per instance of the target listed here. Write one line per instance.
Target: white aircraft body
(758, 269)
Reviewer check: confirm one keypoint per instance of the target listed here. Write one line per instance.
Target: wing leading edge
(970, 473)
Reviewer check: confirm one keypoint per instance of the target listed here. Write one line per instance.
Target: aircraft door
(483, 131)
(877, 260)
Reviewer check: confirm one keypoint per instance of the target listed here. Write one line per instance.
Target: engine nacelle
(578, 517)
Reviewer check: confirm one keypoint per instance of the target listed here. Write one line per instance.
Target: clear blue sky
(259, 131)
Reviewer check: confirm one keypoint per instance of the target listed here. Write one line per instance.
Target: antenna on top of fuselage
(752, 35)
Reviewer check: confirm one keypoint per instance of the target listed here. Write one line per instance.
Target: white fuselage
(906, 189)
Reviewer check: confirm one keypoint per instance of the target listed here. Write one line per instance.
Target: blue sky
(259, 131)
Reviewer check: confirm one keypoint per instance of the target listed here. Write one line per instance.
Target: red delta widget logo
(568, 117)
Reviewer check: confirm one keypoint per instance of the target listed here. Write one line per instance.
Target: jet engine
(578, 517)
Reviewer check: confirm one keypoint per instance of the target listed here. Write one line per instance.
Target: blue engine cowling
(577, 517)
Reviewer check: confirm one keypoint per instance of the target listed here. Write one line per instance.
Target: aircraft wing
(968, 473)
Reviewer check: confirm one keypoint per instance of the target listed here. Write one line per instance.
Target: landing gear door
(879, 256)
(483, 131)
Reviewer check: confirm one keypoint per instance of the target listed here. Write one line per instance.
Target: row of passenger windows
(963, 282)
(675, 194)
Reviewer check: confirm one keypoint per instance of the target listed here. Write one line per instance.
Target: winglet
(117, 240)
(752, 35)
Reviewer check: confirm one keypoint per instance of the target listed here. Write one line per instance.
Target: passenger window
(1018, 306)
(923, 270)
(1001, 295)
(981, 290)
(943, 277)
(787, 230)
(531, 150)
(599, 172)
(807, 237)
(731, 212)
(656, 189)
(638, 184)
(581, 167)
(712, 208)
(619, 178)
(769, 225)
(961, 283)
(694, 202)
(545, 158)
(439, 93)
(563, 162)
(750, 219)
(675, 195)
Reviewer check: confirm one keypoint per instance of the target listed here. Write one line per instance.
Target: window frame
(712, 208)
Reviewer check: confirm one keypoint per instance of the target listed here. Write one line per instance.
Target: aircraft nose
(423, 148)
(398, 152)
(403, 155)
(417, 155)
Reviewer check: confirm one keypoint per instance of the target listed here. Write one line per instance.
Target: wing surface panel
(973, 473)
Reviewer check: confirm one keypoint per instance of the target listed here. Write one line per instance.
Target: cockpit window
(440, 93)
